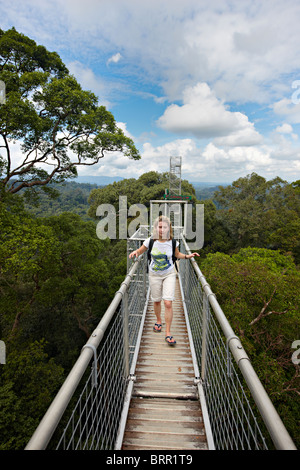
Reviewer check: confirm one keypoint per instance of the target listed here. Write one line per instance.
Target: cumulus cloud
(123, 127)
(210, 163)
(114, 58)
(286, 129)
(237, 46)
(203, 115)
(287, 108)
(90, 81)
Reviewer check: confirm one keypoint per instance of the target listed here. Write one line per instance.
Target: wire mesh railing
(93, 423)
(231, 388)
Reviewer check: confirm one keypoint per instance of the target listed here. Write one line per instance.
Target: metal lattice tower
(175, 190)
(175, 176)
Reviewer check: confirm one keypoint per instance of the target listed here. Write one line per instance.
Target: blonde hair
(162, 218)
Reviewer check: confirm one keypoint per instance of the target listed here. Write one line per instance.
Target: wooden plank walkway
(164, 411)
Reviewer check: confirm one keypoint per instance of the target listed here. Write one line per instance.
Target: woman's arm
(138, 252)
(184, 256)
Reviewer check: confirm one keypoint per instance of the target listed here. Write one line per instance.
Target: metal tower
(175, 176)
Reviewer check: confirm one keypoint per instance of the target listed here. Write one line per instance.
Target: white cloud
(234, 162)
(204, 116)
(238, 47)
(211, 163)
(123, 127)
(242, 49)
(287, 108)
(114, 58)
(284, 129)
(90, 81)
(220, 164)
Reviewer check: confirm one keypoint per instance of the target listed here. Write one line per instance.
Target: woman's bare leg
(157, 311)
(168, 317)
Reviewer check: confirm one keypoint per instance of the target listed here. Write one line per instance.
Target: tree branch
(28, 304)
(291, 386)
(262, 313)
(6, 146)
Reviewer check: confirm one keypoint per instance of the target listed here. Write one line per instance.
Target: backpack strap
(151, 241)
(174, 259)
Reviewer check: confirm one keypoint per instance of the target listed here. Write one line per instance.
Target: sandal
(168, 339)
(158, 329)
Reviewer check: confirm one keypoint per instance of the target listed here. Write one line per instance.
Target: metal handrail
(272, 420)
(51, 419)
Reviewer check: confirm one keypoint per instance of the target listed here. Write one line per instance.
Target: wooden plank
(165, 412)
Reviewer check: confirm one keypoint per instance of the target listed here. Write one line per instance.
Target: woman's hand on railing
(134, 253)
(191, 255)
(138, 252)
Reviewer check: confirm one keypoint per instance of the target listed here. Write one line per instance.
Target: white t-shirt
(161, 256)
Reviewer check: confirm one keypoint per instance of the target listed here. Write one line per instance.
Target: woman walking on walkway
(162, 273)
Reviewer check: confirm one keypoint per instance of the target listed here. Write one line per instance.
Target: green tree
(59, 125)
(55, 279)
(55, 284)
(29, 255)
(261, 213)
(27, 384)
(150, 185)
(216, 235)
(71, 197)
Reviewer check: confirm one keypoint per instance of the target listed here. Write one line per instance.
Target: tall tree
(261, 213)
(58, 125)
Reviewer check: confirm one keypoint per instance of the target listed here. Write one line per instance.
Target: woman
(162, 274)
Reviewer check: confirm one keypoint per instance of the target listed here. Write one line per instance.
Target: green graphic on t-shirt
(161, 261)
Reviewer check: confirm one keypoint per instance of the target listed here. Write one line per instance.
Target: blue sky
(209, 81)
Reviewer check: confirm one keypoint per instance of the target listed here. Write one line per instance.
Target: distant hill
(99, 180)
(212, 184)
(105, 180)
(204, 190)
(74, 194)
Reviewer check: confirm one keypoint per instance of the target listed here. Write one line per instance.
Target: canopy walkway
(130, 390)
(165, 411)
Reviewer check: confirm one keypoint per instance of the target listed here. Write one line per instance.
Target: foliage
(258, 290)
(56, 281)
(50, 266)
(216, 234)
(71, 197)
(150, 185)
(28, 256)
(58, 125)
(27, 384)
(203, 193)
(261, 213)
